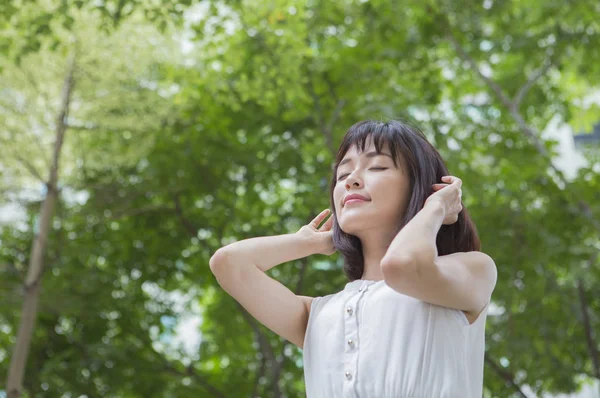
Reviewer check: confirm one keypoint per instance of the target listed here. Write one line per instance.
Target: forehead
(354, 151)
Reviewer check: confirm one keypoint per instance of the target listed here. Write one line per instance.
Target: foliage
(178, 155)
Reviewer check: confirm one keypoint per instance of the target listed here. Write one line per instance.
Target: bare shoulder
(479, 265)
(471, 256)
(476, 262)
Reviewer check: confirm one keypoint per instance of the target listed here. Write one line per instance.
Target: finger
(455, 191)
(324, 226)
(317, 220)
(456, 181)
(327, 224)
(437, 187)
(452, 180)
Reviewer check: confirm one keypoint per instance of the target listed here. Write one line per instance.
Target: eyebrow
(369, 155)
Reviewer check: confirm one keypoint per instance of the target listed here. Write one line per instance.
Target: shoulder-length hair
(425, 166)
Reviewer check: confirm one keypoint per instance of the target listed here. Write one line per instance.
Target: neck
(374, 247)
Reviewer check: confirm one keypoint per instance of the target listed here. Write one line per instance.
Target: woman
(410, 322)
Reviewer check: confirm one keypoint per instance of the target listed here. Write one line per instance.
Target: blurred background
(138, 137)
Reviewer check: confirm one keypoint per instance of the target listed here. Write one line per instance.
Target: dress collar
(359, 284)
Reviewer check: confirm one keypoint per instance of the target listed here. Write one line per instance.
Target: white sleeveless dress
(369, 341)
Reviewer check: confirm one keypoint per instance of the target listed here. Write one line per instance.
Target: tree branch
(137, 211)
(286, 343)
(261, 373)
(505, 375)
(495, 87)
(319, 114)
(264, 346)
(191, 372)
(325, 126)
(340, 102)
(32, 283)
(589, 334)
(11, 267)
(192, 231)
(99, 127)
(333, 120)
(541, 71)
(512, 107)
(30, 168)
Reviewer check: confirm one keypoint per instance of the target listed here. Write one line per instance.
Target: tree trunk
(36, 261)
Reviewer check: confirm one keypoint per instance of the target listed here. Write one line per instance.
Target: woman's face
(375, 177)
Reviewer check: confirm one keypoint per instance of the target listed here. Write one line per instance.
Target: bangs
(379, 132)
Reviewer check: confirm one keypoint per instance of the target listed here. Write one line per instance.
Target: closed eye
(372, 168)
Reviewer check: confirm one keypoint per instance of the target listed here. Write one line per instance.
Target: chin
(353, 225)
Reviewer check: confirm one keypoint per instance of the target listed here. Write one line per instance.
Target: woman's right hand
(322, 237)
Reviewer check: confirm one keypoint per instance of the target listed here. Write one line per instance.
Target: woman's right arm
(240, 270)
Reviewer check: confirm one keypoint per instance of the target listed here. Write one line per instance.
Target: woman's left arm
(411, 265)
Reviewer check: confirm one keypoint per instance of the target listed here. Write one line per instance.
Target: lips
(355, 197)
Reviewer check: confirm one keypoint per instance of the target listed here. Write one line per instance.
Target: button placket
(351, 345)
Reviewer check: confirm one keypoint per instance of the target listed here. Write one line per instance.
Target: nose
(351, 180)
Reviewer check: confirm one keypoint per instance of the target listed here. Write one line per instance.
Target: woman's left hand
(449, 195)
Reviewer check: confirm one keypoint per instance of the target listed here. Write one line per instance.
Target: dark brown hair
(425, 166)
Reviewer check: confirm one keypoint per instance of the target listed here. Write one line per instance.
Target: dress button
(360, 290)
(349, 310)
(348, 376)
(350, 342)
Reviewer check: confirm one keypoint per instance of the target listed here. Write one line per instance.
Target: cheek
(338, 193)
(384, 187)
(390, 192)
